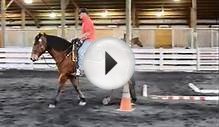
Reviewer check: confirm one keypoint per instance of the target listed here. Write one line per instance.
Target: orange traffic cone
(125, 105)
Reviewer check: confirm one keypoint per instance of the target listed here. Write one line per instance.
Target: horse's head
(39, 46)
(136, 41)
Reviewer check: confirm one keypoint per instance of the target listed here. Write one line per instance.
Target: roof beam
(11, 1)
(75, 4)
(63, 22)
(44, 2)
(36, 20)
(76, 13)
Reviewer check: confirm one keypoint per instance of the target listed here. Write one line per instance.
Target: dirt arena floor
(25, 95)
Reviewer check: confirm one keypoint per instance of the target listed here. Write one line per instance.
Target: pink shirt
(88, 27)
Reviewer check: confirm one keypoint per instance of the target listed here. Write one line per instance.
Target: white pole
(63, 5)
(3, 22)
(196, 89)
(145, 90)
(193, 23)
(23, 20)
(128, 32)
(128, 22)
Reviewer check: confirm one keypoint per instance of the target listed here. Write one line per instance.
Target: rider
(87, 35)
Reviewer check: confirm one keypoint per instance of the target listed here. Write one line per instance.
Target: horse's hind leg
(132, 89)
(131, 83)
(57, 98)
(106, 100)
(62, 80)
(81, 96)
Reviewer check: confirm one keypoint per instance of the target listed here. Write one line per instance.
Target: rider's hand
(81, 41)
(84, 36)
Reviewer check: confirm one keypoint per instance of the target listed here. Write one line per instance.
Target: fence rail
(176, 59)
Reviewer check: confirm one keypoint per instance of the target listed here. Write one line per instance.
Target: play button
(109, 63)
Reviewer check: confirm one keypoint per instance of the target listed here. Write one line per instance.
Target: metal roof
(143, 10)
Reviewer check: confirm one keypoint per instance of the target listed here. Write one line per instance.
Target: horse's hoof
(82, 103)
(52, 106)
(106, 101)
(133, 104)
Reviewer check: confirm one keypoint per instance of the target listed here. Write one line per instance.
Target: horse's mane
(58, 43)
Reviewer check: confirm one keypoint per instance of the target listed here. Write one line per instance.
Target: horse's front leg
(75, 84)
(62, 80)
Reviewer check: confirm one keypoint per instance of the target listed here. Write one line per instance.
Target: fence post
(192, 39)
(32, 65)
(173, 36)
(212, 38)
(217, 38)
(145, 90)
(161, 59)
(198, 59)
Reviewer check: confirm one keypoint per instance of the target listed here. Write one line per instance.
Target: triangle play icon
(109, 63)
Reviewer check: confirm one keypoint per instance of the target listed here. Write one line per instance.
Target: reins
(47, 63)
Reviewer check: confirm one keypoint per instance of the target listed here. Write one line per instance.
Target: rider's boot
(78, 72)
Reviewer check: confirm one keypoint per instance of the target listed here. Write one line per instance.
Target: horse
(66, 62)
(136, 41)
(65, 54)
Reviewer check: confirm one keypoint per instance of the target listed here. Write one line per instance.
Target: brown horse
(136, 41)
(61, 51)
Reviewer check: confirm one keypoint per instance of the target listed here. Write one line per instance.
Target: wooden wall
(163, 38)
(1, 43)
(181, 38)
(149, 37)
(101, 33)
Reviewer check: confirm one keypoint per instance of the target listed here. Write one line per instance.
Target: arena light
(176, 0)
(28, 1)
(104, 14)
(52, 15)
(160, 13)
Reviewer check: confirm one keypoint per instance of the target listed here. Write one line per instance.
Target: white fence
(177, 59)
(19, 58)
